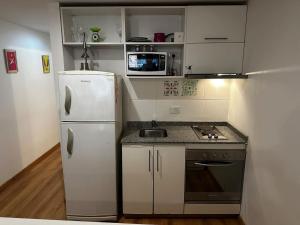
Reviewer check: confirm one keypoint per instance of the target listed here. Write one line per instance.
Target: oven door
(146, 64)
(214, 180)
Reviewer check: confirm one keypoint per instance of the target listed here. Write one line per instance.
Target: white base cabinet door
(169, 164)
(137, 163)
(153, 179)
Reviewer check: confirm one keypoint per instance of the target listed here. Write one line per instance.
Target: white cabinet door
(89, 168)
(137, 163)
(169, 164)
(87, 97)
(214, 58)
(216, 23)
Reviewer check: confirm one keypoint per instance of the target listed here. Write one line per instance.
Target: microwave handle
(214, 164)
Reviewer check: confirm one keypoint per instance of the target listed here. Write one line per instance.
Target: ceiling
(34, 13)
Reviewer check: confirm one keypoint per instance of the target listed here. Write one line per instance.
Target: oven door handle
(214, 164)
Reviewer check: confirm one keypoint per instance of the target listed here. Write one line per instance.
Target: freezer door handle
(68, 100)
(70, 141)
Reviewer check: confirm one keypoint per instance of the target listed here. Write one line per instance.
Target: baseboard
(242, 221)
(30, 166)
(181, 216)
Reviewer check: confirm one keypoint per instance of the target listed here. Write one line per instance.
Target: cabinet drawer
(210, 58)
(216, 23)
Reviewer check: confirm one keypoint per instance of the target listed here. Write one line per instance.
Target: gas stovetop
(208, 133)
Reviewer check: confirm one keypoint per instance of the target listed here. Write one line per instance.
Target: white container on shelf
(178, 36)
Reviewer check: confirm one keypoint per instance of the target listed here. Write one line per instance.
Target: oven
(214, 176)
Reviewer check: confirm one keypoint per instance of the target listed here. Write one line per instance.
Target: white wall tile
(139, 110)
(139, 89)
(146, 100)
(192, 110)
(216, 89)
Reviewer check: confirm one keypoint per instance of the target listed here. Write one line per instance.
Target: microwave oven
(146, 64)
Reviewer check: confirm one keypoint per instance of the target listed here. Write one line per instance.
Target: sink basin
(153, 132)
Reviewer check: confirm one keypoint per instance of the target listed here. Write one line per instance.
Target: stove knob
(216, 136)
(210, 136)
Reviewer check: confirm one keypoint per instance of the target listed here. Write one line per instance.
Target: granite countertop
(181, 133)
(19, 221)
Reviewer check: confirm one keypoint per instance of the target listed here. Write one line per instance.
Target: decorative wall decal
(189, 87)
(46, 63)
(10, 57)
(171, 88)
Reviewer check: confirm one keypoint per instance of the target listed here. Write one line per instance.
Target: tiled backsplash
(176, 99)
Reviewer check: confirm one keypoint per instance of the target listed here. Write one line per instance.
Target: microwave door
(146, 64)
(143, 62)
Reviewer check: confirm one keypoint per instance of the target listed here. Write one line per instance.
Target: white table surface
(17, 221)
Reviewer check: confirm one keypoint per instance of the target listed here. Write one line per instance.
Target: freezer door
(87, 97)
(89, 168)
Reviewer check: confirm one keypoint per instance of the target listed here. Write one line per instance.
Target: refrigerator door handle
(68, 100)
(157, 160)
(149, 160)
(70, 141)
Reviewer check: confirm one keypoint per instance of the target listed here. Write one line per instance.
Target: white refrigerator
(91, 123)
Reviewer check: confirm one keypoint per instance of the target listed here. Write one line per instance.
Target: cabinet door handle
(149, 160)
(70, 141)
(68, 100)
(157, 160)
(215, 38)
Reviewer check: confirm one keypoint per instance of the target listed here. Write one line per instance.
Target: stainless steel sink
(153, 132)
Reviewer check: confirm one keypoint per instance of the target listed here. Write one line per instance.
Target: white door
(169, 164)
(210, 58)
(137, 174)
(89, 168)
(216, 23)
(87, 98)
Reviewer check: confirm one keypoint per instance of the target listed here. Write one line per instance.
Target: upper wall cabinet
(76, 20)
(216, 23)
(214, 58)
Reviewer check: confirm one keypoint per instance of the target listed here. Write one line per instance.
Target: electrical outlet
(174, 109)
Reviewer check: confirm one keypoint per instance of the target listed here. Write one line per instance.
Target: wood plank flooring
(39, 194)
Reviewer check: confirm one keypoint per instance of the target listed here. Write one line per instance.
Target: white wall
(266, 107)
(28, 117)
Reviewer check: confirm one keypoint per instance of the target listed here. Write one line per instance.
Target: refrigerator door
(87, 97)
(89, 167)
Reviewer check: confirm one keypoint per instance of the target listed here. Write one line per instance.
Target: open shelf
(76, 20)
(154, 43)
(93, 44)
(145, 21)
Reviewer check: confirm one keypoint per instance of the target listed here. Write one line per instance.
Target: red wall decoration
(10, 57)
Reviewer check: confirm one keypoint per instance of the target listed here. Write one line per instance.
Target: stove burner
(208, 132)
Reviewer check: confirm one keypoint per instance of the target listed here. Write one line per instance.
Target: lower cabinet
(153, 179)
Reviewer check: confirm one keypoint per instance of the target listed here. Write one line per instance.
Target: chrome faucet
(85, 56)
(154, 123)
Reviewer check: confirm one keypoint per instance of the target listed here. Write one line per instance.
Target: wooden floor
(39, 194)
